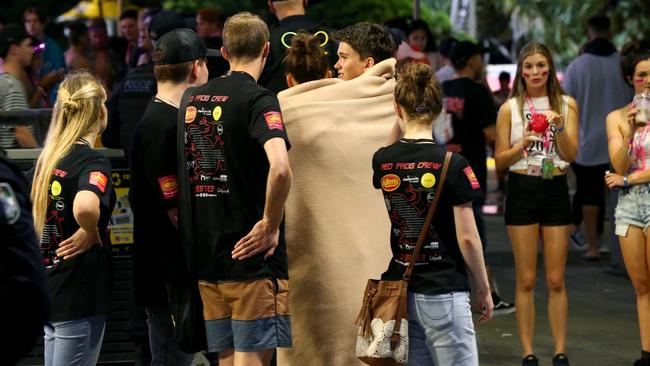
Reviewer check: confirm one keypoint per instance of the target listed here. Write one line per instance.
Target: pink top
(640, 151)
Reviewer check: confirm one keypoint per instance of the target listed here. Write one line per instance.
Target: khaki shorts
(246, 316)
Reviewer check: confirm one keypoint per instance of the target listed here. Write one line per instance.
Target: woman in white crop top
(537, 148)
(629, 153)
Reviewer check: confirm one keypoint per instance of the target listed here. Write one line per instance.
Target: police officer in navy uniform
(24, 297)
(292, 20)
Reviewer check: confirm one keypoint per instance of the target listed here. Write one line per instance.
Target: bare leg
(636, 255)
(227, 358)
(556, 240)
(260, 358)
(524, 247)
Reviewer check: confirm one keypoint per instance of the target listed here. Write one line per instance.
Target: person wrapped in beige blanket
(336, 228)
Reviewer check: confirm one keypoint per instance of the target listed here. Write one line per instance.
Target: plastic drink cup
(643, 104)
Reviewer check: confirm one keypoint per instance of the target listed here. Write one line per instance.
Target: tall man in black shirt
(473, 119)
(179, 58)
(234, 179)
(292, 20)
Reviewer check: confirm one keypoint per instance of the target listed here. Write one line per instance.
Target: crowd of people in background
(229, 127)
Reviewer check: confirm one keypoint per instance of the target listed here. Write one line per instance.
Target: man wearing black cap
(131, 96)
(473, 119)
(16, 52)
(234, 178)
(179, 59)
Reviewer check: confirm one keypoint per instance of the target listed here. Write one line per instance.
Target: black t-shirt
(274, 75)
(407, 172)
(128, 100)
(81, 286)
(154, 191)
(472, 109)
(226, 123)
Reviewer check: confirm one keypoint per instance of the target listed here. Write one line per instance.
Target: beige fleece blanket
(337, 226)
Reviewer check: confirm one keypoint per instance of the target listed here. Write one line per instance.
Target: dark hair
(418, 93)
(210, 15)
(129, 13)
(244, 36)
(77, 31)
(10, 35)
(504, 75)
(446, 46)
(420, 24)
(631, 54)
(40, 13)
(599, 24)
(368, 40)
(176, 73)
(306, 60)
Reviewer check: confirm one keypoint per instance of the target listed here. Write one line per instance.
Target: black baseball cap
(464, 50)
(165, 21)
(178, 46)
(10, 35)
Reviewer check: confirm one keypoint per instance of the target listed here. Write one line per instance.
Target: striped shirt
(12, 97)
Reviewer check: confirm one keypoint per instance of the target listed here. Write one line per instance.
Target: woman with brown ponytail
(407, 171)
(306, 60)
(73, 200)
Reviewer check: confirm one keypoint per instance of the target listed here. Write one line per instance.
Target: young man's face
(129, 28)
(24, 52)
(33, 25)
(350, 64)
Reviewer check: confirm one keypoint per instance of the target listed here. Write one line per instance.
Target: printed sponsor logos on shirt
(205, 111)
(472, 178)
(59, 173)
(390, 182)
(168, 186)
(99, 180)
(216, 113)
(208, 98)
(190, 114)
(428, 180)
(274, 120)
(55, 188)
(411, 179)
(59, 205)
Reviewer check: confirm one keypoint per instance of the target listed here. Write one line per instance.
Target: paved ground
(602, 330)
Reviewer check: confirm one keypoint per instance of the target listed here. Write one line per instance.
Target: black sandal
(530, 360)
(561, 360)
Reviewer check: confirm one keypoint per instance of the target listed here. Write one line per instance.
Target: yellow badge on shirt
(428, 180)
(56, 188)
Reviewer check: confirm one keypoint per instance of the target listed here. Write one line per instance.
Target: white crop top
(536, 151)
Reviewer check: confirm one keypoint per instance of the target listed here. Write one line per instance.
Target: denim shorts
(247, 316)
(633, 208)
(441, 331)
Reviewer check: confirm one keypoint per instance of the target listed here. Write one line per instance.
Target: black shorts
(590, 184)
(533, 200)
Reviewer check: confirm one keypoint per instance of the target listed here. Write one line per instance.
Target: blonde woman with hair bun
(72, 202)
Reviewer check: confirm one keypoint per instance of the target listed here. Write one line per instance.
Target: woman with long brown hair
(629, 152)
(72, 202)
(537, 138)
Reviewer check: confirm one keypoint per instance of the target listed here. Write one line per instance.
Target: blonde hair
(77, 112)
(553, 87)
(244, 36)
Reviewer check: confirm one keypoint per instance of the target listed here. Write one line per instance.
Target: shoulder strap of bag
(427, 221)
